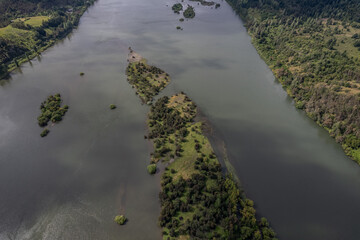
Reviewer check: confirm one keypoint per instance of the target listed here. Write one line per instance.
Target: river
(92, 166)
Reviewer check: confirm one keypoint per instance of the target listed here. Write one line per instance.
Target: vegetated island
(51, 110)
(189, 12)
(204, 3)
(27, 28)
(177, 7)
(197, 200)
(314, 52)
(147, 80)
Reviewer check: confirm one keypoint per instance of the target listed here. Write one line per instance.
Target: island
(198, 201)
(51, 110)
(147, 80)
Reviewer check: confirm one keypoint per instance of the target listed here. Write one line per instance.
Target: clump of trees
(207, 204)
(51, 110)
(177, 7)
(120, 219)
(189, 12)
(151, 168)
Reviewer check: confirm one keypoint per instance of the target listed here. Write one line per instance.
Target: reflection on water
(92, 166)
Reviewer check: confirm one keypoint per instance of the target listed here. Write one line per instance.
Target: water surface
(92, 166)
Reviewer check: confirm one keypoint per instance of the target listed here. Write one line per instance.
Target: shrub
(44, 133)
(189, 12)
(112, 106)
(82, 74)
(151, 168)
(120, 219)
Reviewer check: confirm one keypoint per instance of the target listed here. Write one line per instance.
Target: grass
(36, 21)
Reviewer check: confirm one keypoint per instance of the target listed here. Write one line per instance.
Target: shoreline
(29, 55)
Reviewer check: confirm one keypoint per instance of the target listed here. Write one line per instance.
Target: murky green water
(92, 166)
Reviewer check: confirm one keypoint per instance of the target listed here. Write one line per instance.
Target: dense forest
(27, 27)
(313, 48)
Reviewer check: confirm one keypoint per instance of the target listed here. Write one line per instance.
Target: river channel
(92, 165)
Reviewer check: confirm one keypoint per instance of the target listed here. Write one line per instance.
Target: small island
(177, 7)
(147, 80)
(189, 12)
(51, 110)
(195, 193)
(120, 219)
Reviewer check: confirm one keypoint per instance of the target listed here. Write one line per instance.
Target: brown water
(92, 166)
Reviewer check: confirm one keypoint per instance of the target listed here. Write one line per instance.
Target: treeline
(18, 48)
(12, 9)
(312, 48)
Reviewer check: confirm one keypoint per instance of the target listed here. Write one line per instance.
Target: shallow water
(92, 166)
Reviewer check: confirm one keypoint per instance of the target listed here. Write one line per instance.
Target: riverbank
(313, 58)
(28, 36)
(197, 200)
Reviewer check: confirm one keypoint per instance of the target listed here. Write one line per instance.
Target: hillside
(313, 48)
(27, 27)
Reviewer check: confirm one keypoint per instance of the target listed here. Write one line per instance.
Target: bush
(177, 7)
(151, 168)
(44, 133)
(120, 219)
(82, 74)
(112, 106)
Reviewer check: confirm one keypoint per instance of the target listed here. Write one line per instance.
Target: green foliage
(51, 110)
(44, 133)
(151, 168)
(82, 74)
(148, 80)
(120, 219)
(177, 7)
(189, 12)
(112, 106)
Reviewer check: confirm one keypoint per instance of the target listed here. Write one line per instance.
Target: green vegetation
(44, 133)
(51, 110)
(204, 3)
(189, 12)
(112, 106)
(82, 74)
(179, 28)
(120, 219)
(181, 19)
(148, 80)
(177, 7)
(151, 168)
(29, 27)
(312, 48)
(197, 201)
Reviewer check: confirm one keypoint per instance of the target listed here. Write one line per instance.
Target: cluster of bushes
(146, 79)
(189, 12)
(177, 7)
(51, 110)
(305, 54)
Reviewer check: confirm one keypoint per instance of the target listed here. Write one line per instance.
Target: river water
(92, 166)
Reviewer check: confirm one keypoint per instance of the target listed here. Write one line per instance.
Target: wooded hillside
(313, 48)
